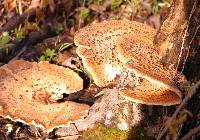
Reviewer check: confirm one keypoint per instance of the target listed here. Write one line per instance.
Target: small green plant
(157, 5)
(63, 46)
(116, 3)
(84, 13)
(19, 33)
(22, 31)
(50, 54)
(4, 39)
(154, 6)
(59, 27)
(136, 4)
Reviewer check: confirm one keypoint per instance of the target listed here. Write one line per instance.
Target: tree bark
(173, 42)
(173, 38)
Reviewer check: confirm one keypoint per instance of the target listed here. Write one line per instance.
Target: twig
(191, 133)
(191, 92)
(18, 54)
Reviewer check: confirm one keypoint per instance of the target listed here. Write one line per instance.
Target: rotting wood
(173, 42)
(172, 39)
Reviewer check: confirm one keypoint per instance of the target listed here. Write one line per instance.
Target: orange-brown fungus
(151, 94)
(109, 47)
(140, 57)
(97, 47)
(29, 92)
(143, 58)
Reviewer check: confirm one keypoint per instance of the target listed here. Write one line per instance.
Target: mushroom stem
(172, 38)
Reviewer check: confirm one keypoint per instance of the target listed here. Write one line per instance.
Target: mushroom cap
(52, 78)
(97, 46)
(141, 58)
(26, 92)
(131, 47)
(151, 94)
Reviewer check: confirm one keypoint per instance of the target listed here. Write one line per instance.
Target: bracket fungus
(157, 86)
(28, 92)
(108, 47)
(97, 47)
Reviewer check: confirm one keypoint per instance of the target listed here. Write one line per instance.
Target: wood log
(173, 38)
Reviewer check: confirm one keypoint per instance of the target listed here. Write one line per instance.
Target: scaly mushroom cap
(97, 46)
(50, 77)
(27, 89)
(139, 55)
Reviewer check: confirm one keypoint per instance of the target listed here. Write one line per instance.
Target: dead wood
(173, 42)
(173, 36)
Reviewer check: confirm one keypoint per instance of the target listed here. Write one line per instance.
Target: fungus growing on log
(110, 46)
(157, 86)
(29, 93)
(151, 93)
(97, 47)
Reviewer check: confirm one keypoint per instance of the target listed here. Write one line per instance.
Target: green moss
(116, 3)
(4, 39)
(104, 133)
(85, 13)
